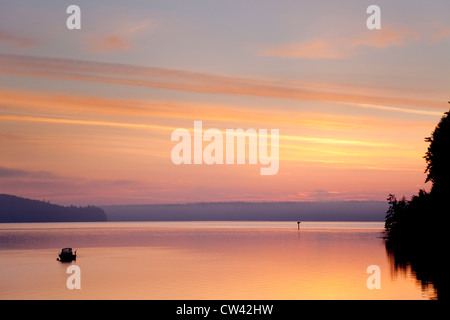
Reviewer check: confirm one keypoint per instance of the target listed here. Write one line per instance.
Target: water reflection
(426, 263)
(201, 261)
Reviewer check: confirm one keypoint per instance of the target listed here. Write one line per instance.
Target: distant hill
(17, 209)
(251, 211)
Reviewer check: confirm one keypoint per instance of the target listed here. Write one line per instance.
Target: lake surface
(201, 260)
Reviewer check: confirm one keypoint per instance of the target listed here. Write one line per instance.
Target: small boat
(67, 254)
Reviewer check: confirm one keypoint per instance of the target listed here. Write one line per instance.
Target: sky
(86, 116)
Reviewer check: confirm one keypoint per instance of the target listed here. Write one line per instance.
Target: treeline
(18, 209)
(423, 217)
(416, 229)
(251, 211)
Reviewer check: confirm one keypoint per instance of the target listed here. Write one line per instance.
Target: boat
(67, 254)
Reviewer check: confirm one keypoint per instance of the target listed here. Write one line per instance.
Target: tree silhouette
(416, 229)
(438, 157)
(18, 209)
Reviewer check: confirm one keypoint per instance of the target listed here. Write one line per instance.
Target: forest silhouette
(18, 209)
(415, 228)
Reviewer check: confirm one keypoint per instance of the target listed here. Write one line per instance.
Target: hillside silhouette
(250, 211)
(415, 228)
(17, 209)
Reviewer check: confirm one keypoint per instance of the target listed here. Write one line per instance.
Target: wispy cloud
(199, 82)
(84, 122)
(109, 44)
(385, 38)
(89, 109)
(15, 40)
(10, 173)
(338, 141)
(83, 191)
(120, 40)
(311, 49)
(402, 110)
(441, 35)
(331, 47)
(291, 139)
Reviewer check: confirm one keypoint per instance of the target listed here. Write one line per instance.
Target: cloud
(290, 138)
(78, 190)
(441, 35)
(323, 195)
(16, 41)
(120, 40)
(313, 49)
(385, 38)
(84, 122)
(163, 78)
(142, 114)
(402, 110)
(343, 47)
(8, 173)
(109, 44)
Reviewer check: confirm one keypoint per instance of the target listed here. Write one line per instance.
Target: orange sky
(86, 116)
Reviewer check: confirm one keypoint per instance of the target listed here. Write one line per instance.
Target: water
(201, 260)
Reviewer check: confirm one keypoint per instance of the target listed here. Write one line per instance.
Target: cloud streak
(16, 41)
(343, 47)
(108, 44)
(292, 138)
(123, 74)
(84, 122)
(64, 105)
(8, 173)
(120, 40)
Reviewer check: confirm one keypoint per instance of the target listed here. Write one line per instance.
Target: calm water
(200, 260)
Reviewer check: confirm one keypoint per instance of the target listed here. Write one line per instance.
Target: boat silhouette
(67, 254)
